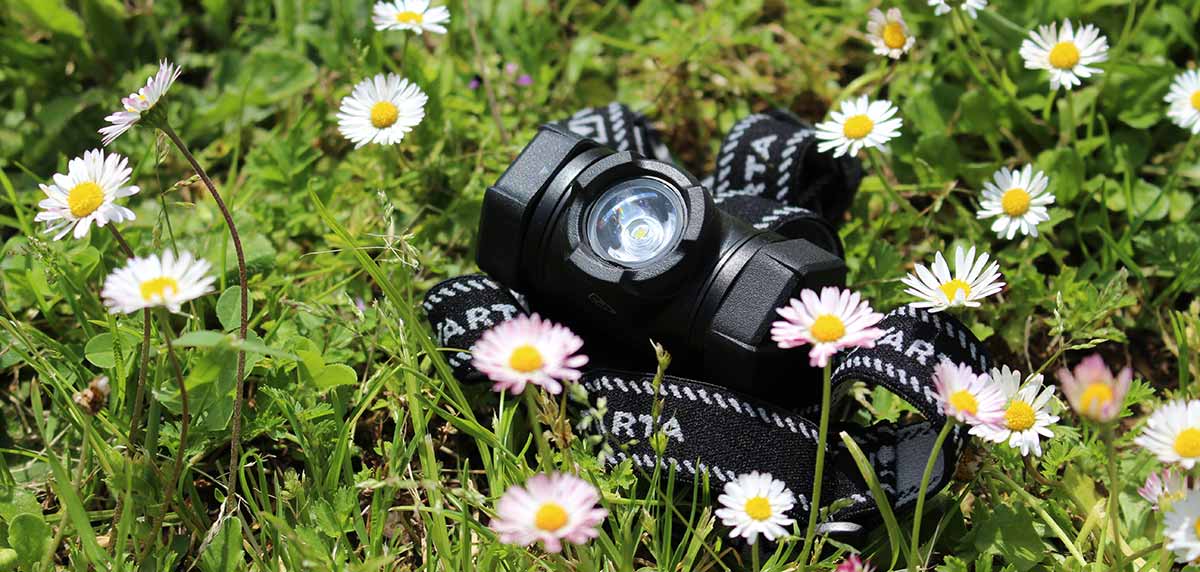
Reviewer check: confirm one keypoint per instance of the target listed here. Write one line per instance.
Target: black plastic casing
(710, 301)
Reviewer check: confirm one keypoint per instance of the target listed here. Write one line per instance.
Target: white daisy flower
(1027, 416)
(382, 109)
(1181, 526)
(889, 34)
(861, 123)
(152, 282)
(971, 7)
(528, 349)
(1018, 199)
(967, 396)
(754, 504)
(1172, 433)
(1164, 487)
(413, 15)
(87, 194)
(973, 280)
(140, 101)
(832, 321)
(1068, 54)
(550, 508)
(1184, 101)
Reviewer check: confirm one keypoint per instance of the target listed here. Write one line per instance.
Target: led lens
(635, 222)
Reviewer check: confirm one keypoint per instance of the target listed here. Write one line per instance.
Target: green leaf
(229, 308)
(224, 554)
(15, 501)
(200, 339)
(1009, 531)
(28, 535)
(53, 15)
(100, 352)
(335, 375)
(8, 559)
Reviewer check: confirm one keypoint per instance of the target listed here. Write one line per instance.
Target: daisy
(889, 34)
(1018, 199)
(1164, 487)
(414, 15)
(1184, 101)
(1181, 526)
(550, 508)
(834, 320)
(1172, 433)
(854, 563)
(1027, 416)
(152, 282)
(972, 7)
(861, 123)
(1093, 391)
(754, 504)
(382, 109)
(87, 194)
(1066, 53)
(528, 349)
(973, 280)
(968, 397)
(141, 101)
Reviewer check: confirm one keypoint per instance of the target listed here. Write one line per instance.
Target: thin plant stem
(1036, 506)
(877, 163)
(184, 423)
(239, 383)
(535, 425)
(1114, 491)
(822, 443)
(755, 560)
(915, 544)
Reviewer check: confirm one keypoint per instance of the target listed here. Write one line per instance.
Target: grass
(360, 452)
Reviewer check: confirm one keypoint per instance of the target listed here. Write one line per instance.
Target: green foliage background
(362, 456)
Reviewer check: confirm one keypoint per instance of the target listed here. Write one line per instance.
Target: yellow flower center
(962, 400)
(1015, 202)
(1019, 417)
(1064, 55)
(384, 114)
(758, 508)
(1187, 443)
(550, 517)
(827, 328)
(1196, 100)
(893, 35)
(858, 126)
(952, 288)
(409, 17)
(158, 287)
(85, 198)
(1197, 527)
(1095, 397)
(525, 359)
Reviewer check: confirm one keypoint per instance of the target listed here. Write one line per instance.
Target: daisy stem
(818, 476)
(1114, 490)
(535, 425)
(755, 561)
(914, 553)
(1036, 506)
(184, 422)
(239, 381)
(877, 162)
(139, 398)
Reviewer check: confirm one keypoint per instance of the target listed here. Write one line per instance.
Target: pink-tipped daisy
(550, 508)
(835, 320)
(968, 397)
(528, 349)
(854, 563)
(1093, 391)
(87, 194)
(1164, 487)
(140, 101)
(756, 503)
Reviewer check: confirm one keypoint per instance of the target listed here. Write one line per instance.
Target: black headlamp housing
(709, 298)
